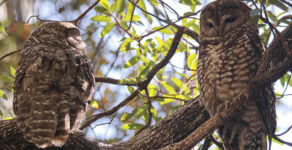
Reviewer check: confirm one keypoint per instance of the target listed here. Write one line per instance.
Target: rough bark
(172, 129)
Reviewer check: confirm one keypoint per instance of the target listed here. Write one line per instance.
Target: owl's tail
(49, 123)
(246, 132)
(41, 124)
(63, 127)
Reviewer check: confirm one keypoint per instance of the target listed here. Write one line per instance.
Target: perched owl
(53, 84)
(230, 51)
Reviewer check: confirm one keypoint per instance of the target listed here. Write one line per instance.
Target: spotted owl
(53, 84)
(230, 51)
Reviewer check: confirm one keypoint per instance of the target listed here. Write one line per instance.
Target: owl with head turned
(53, 84)
(229, 56)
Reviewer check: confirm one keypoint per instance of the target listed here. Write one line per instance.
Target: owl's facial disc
(74, 39)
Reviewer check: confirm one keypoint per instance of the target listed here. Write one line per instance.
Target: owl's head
(222, 16)
(63, 34)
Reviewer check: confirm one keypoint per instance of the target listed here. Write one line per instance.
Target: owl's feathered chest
(225, 67)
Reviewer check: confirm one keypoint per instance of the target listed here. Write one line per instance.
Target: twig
(132, 15)
(109, 112)
(284, 1)
(284, 131)
(127, 31)
(151, 32)
(149, 114)
(11, 53)
(207, 143)
(76, 21)
(282, 141)
(112, 81)
(220, 145)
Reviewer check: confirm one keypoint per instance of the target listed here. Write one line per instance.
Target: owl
(229, 55)
(53, 84)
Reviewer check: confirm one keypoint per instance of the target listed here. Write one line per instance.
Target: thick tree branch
(171, 129)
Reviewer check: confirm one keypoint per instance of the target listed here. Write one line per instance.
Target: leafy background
(124, 42)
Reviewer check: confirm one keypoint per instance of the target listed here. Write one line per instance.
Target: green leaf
(132, 62)
(101, 18)
(192, 61)
(12, 71)
(8, 118)
(177, 82)
(2, 29)
(145, 114)
(153, 2)
(165, 30)
(132, 126)
(160, 41)
(276, 141)
(196, 28)
(105, 4)
(266, 36)
(108, 28)
(279, 4)
(121, 6)
(128, 18)
(143, 6)
(101, 9)
(190, 23)
(144, 68)
(1, 114)
(152, 89)
(131, 89)
(189, 2)
(168, 88)
(159, 74)
(5, 97)
(127, 116)
(183, 75)
(253, 20)
(94, 104)
(128, 81)
(166, 100)
(6, 79)
(126, 45)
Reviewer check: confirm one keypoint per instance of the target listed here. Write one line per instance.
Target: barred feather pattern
(53, 84)
(228, 60)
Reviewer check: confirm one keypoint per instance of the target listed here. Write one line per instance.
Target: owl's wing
(264, 96)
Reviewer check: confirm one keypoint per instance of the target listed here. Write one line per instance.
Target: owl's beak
(219, 30)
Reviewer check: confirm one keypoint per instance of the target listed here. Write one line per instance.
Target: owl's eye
(230, 19)
(210, 25)
(72, 32)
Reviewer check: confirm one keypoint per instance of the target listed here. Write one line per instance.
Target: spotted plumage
(230, 51)
(53, 84)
